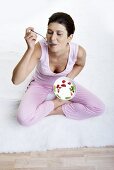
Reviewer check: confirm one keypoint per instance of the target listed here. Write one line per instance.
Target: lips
(53, 44)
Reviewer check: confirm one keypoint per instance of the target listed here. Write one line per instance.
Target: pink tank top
(43, 74)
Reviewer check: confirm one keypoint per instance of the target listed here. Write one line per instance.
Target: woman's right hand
(30, 37)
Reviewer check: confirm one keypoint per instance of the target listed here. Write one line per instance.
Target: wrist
(30, 49)
(71, 77)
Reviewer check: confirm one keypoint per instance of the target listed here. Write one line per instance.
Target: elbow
(14, 81)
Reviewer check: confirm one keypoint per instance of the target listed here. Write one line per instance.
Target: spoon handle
(48, 43)
(38, 34)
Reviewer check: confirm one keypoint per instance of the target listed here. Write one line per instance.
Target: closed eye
(59, 34)
(50, 32)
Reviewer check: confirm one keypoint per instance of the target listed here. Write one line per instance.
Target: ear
(70, 38)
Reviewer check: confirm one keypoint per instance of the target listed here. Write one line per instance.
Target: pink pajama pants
(34, 107)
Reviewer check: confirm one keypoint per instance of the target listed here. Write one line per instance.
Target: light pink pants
(34, 107)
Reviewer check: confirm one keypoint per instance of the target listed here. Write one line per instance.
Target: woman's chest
(58, 66)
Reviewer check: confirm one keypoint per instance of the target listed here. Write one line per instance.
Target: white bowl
(64, 88)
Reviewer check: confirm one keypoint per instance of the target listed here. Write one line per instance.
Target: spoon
(43, 37)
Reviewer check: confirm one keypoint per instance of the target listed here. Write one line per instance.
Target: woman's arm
(29, 59)
(78, 66)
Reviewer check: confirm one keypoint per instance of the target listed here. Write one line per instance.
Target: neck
(60, 53)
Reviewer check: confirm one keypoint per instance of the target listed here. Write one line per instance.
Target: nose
(53, 37)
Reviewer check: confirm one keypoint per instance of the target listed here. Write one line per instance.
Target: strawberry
(63, 81)
(69, 83)
(58, 86)
(63, 85)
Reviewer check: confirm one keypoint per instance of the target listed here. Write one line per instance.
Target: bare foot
(57, 111)
(58, 107)
(58, 102)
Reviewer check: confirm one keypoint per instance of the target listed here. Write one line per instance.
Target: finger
(28, 35)
(31, 38)
(29, 29)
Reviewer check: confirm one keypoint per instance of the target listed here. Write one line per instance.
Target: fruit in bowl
(64, 88)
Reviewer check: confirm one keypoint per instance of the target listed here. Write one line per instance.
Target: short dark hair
(64, 19)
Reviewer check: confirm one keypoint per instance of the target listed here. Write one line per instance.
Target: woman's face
(57, 35)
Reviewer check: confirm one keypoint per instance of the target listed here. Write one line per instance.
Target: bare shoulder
(81, 52)
(81, 56)
(37, 51)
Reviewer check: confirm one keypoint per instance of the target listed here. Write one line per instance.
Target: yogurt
(64, 88)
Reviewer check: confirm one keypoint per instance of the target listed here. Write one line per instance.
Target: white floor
(52, 132)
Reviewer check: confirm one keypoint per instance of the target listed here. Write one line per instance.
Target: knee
(99, 109)
(22, 120)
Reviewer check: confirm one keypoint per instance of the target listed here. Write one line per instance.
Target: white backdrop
(94, 31)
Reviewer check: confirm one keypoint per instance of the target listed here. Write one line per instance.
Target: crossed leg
(33, 106)
(84, 105)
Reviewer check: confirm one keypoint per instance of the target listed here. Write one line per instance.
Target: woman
(55, 58)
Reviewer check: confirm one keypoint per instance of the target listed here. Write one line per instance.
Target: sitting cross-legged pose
(53, 57)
